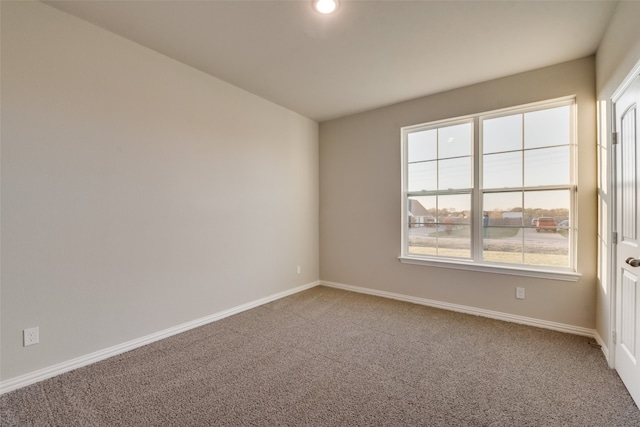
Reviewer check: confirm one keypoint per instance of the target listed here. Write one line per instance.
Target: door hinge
(614, 138)
(614, 237)
(614, 337)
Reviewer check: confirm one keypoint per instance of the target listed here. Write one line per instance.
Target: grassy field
(543, 259)
(489, 232)
(499, 246)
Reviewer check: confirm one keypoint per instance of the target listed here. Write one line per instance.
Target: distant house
(418, 215)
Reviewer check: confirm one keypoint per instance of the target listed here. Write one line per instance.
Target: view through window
(493, 188)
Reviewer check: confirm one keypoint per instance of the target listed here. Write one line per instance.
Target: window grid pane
(527, 227)
(440, 225)
(497, 166)
(502, 134)
(422, 176)
(546, 166)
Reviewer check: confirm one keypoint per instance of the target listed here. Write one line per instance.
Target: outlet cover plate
(31, 336)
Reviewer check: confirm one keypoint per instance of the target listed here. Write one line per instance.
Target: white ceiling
(368, 54)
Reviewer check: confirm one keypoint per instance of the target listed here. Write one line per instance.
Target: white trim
(603, 347)
(612, 214)
(475, 260)
(626, 82)
(60, 368)
(609, 265)
(539, 323)
(69, 365)
(566, 276)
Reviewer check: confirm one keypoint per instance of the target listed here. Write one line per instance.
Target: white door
(627, 336)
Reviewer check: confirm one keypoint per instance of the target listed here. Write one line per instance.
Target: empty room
(317, 212)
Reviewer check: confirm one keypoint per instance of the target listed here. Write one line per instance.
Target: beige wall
(137, 193)
(617, 55)
(360, 200)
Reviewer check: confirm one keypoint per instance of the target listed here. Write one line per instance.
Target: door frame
(612, 213)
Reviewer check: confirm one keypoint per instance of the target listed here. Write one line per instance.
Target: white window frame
(475, 263)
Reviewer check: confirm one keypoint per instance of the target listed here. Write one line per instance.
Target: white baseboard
(561, 327)
(60, 368)
(603, 347)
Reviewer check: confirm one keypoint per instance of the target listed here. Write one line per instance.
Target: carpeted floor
(326, 357)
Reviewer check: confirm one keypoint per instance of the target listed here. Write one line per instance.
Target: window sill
(566, 276)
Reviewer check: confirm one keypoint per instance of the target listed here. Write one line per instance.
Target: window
(493, 190)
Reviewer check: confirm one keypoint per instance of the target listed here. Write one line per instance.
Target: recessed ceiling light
(325, 6)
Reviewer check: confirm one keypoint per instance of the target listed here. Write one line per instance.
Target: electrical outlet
(31, 336)
(298, 270)
(520, 293)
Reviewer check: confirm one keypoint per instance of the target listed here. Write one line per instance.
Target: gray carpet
(326, 357)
